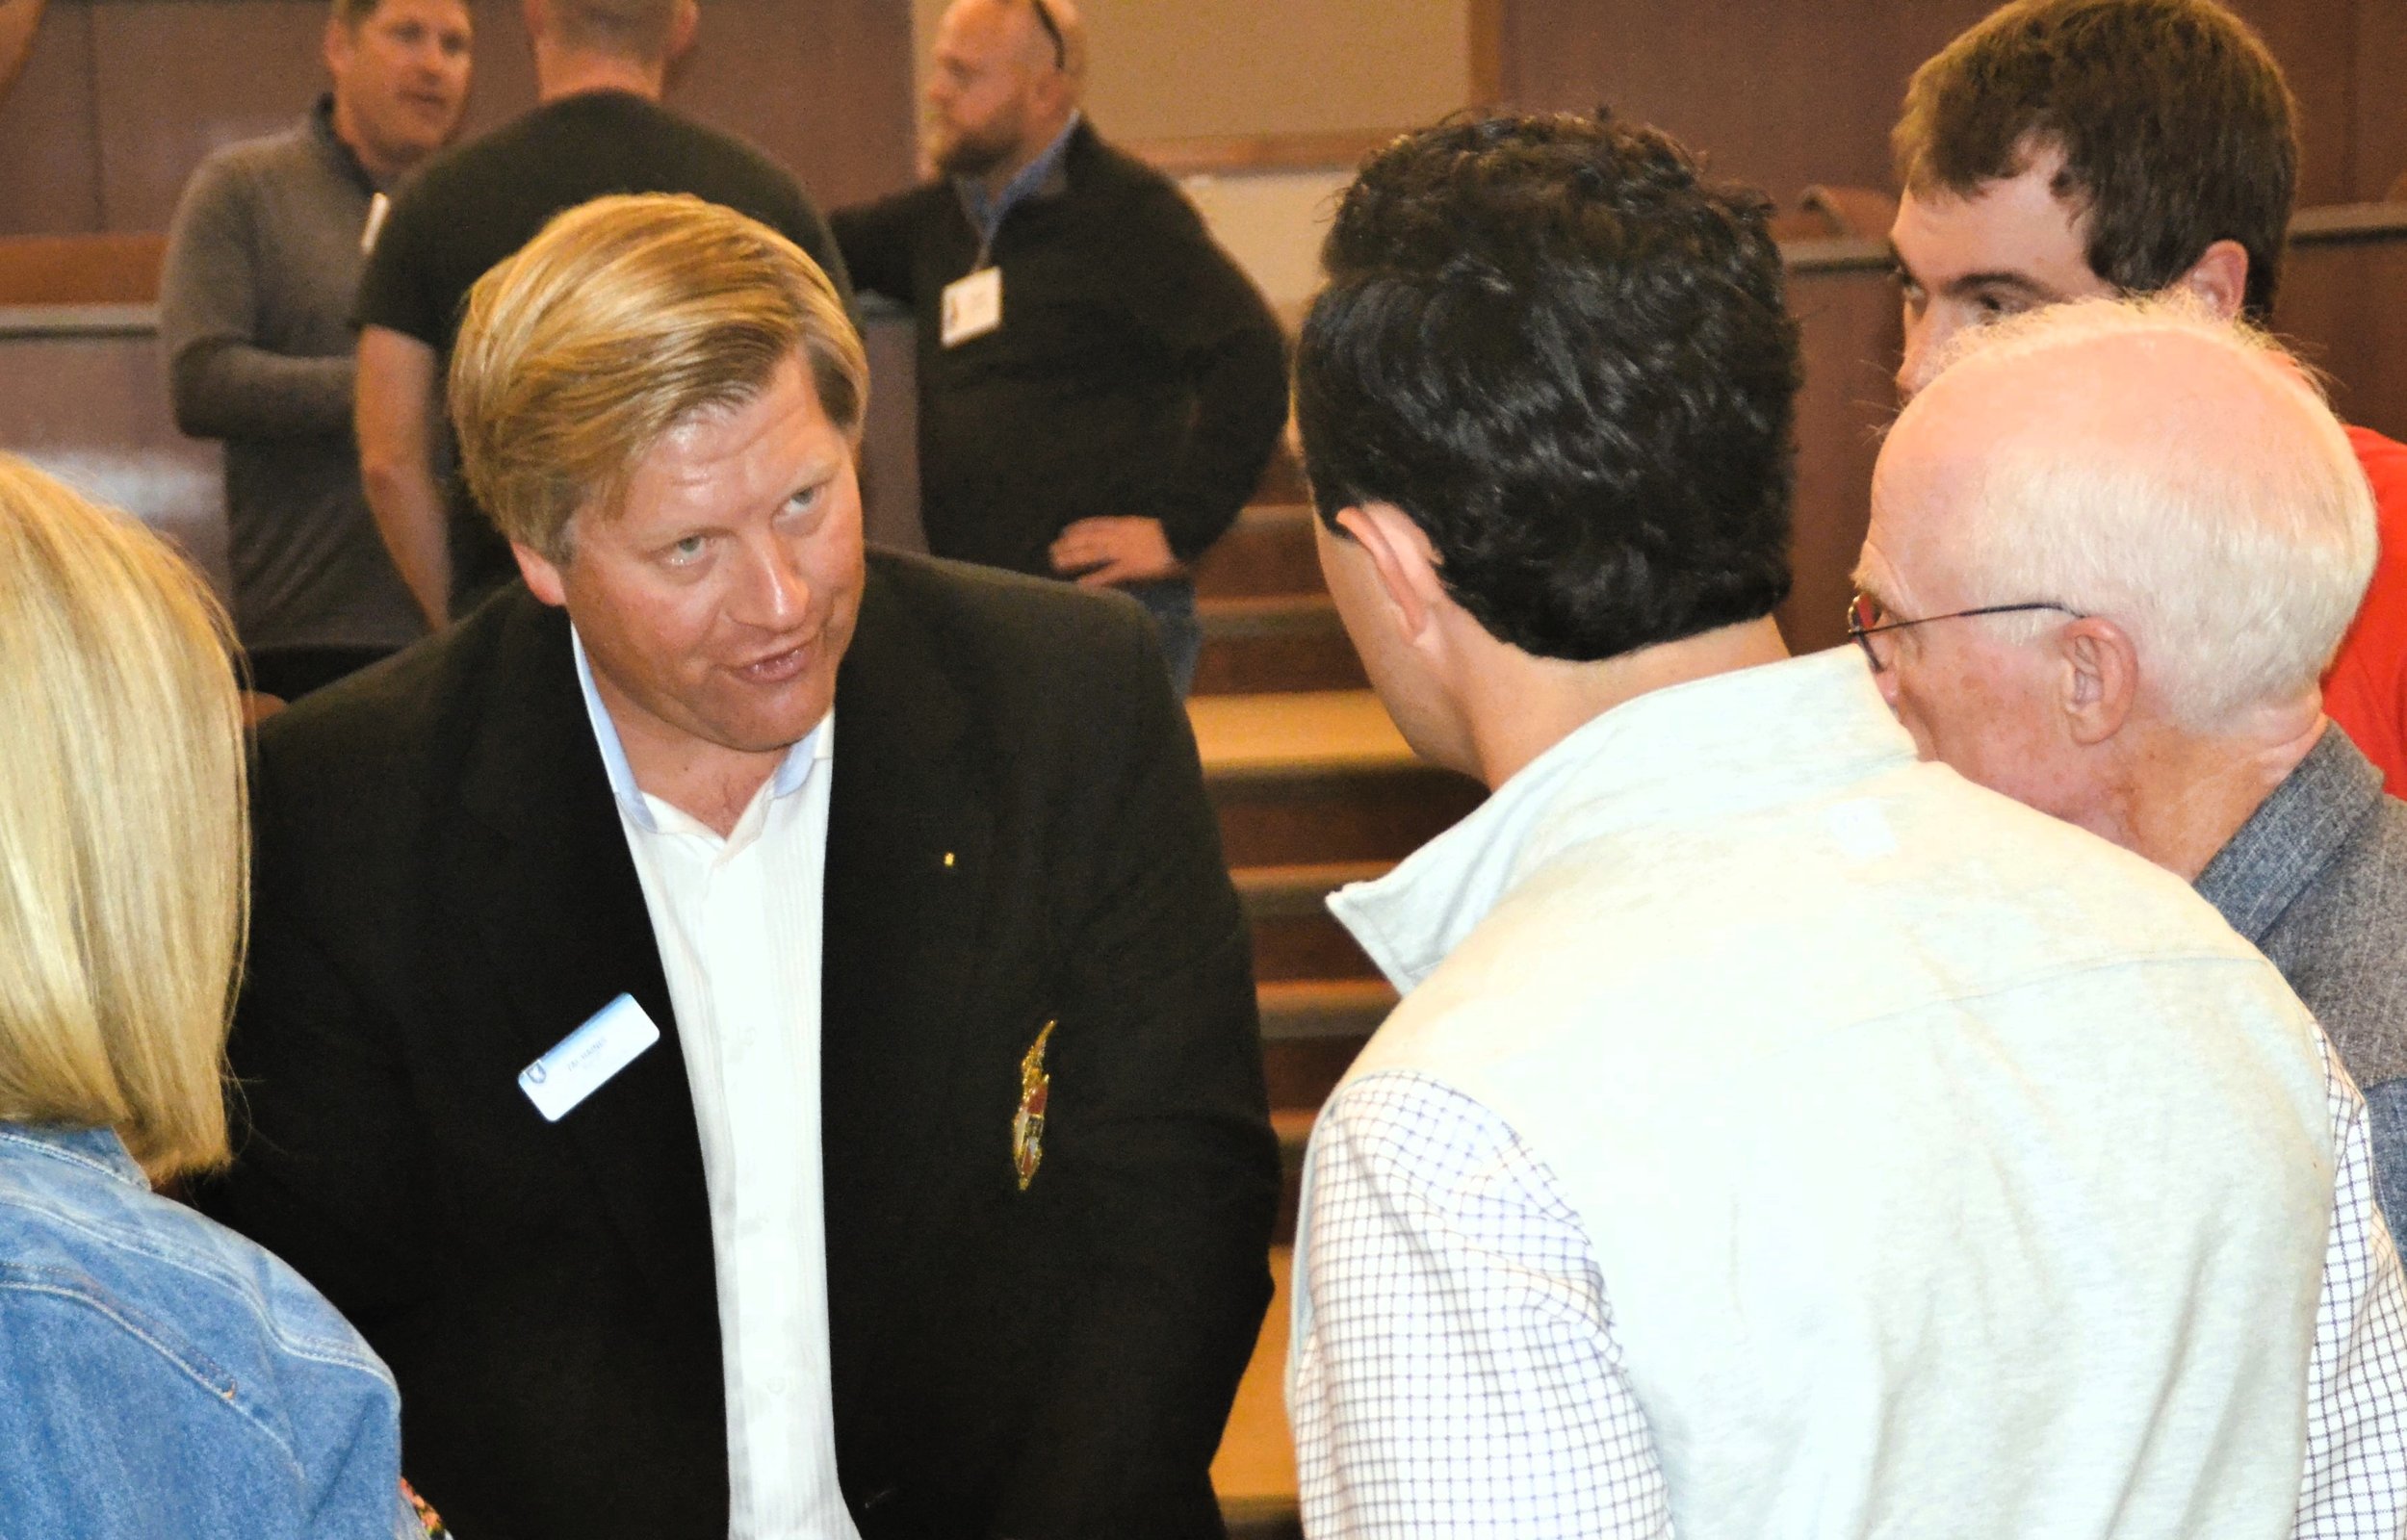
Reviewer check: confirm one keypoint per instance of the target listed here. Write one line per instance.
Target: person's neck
(2182, 795)
(995, 178)
(382, 169)
(562, 72)
(708, 784)
(1519, 706)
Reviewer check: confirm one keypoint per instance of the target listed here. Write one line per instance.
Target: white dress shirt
(737, 921)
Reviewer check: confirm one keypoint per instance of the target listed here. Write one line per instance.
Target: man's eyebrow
(1969, 282)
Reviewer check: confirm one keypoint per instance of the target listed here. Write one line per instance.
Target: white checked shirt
(737, 921)
(1461, 1376)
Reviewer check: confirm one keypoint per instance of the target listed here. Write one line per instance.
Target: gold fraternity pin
(1028, 1124)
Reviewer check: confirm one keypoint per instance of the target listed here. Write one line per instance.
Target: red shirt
(2366, 690)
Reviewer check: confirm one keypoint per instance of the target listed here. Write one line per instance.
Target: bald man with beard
(1099, 386)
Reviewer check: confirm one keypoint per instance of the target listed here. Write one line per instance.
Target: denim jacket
(162, 1376)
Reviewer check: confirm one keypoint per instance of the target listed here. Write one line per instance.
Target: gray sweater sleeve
(222, 382)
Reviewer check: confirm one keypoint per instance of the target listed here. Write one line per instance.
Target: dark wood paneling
(176, 79)
(2381, 125)
(122, 98)
(1776, 93)
(1785, 94)
(49, 164)
(88, 406)
(824, 86)
(2339, 306)
(2316, 43)
(1852, 339)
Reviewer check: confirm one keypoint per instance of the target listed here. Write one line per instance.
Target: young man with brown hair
(2069, 148)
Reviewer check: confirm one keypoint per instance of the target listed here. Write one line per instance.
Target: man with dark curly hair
(1778, 1136)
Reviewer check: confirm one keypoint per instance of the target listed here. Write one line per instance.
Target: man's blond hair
(123, 841)
(625, 318)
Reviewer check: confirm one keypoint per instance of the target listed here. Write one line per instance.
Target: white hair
(2233, 548)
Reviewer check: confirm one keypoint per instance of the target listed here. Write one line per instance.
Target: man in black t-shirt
(600, 128)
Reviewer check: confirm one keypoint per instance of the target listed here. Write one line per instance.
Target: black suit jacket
(1017, 835)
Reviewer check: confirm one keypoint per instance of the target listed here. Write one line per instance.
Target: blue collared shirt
(792, 771)
(160, 1374)
(987, 213)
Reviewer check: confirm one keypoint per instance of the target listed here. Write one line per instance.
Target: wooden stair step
(1299, 890)
(1319, 775)
(1254, 1472)
(1318, 1010)
(1296, 736)
(1269, 550)
(1264, 643)
(1294, 934)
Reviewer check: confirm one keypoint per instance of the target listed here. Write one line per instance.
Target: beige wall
(1204, 69)
(1244, 68)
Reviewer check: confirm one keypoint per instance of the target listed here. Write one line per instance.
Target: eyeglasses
(1052, 30)
(1864, 621)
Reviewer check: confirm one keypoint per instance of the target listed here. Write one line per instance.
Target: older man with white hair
(2112, 549)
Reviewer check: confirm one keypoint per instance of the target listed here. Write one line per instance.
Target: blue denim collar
(99, 1148)
(986, 214)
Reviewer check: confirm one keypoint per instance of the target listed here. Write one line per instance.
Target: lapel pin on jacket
(1028, 1124)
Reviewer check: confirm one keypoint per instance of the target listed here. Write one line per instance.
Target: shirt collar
(792, 772)
(1711, 749)
(2292, 835)
(986, 214)
(99, 1148)
(321, 125)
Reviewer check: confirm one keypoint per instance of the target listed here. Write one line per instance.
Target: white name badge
(577, 1067)
(973, 306)
(377, 208)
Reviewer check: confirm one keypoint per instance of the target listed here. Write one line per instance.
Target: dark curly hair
(2175, 124)
(1563, 353)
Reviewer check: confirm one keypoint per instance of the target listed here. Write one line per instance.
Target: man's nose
(779, 587)
(1925, 337)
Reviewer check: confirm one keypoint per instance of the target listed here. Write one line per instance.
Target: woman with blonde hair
(159, 1374)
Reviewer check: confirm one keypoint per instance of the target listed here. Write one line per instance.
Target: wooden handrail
(1260, 152)
(108, 283)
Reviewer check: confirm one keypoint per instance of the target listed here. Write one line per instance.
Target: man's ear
(1403, 558)
(2098, 678)
(681, 29)
(2219, 278)
(543, 578)
(336, 49)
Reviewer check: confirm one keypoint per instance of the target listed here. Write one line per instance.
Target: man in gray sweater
(256, 318)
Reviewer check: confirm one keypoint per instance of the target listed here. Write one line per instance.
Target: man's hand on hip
(1102, 553)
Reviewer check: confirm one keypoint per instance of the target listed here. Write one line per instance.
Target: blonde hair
(627, 316)
(2232, 547)
(123, 830)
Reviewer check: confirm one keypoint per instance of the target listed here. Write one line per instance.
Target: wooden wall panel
(1786, 96)
(122, 98)
(2381, 125)
(49, 163)
(92, 410)
(2340, 305)
(1852, 340)
(175, 79)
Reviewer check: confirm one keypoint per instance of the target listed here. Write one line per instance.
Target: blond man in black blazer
(1044, 1173)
